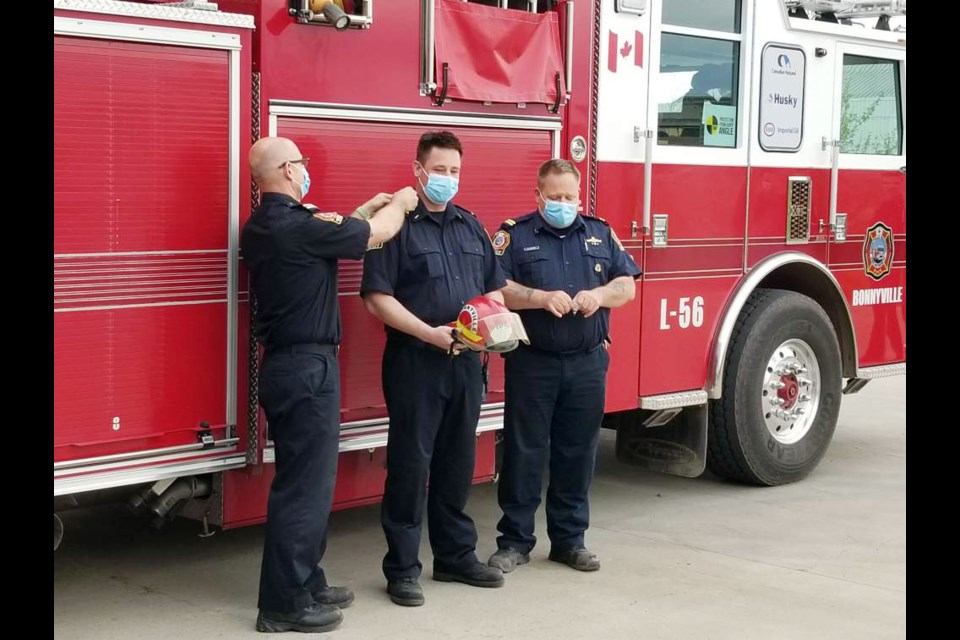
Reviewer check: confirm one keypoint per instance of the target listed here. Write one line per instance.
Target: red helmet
(487, 325)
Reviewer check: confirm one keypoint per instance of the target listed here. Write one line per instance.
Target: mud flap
(678, 447)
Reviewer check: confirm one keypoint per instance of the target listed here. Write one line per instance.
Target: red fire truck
(749, 154)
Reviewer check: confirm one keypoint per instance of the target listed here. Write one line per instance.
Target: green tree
(852, 121)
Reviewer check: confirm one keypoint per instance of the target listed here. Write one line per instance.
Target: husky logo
(878, 251)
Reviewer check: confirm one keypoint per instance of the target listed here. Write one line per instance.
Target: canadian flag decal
(622, 48)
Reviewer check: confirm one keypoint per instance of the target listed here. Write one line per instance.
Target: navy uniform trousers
(300, 394)
(554, 407)
(434, 404)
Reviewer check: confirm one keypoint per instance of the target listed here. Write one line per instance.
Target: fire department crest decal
(330, 216)
(501, 240)
(878, 251)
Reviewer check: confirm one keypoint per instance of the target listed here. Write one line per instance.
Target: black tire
(741, 447)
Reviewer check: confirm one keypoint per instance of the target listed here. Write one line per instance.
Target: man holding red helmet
(417, 284)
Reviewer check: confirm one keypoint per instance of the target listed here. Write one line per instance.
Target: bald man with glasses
(291, 250)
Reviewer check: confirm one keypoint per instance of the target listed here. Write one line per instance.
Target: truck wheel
(781, 391)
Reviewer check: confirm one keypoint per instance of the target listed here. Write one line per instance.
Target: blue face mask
(559, 215)
(305, 185)
(440, 189)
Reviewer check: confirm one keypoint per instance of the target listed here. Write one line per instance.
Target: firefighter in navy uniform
(291, 252)
(564, 274)
(416, 285)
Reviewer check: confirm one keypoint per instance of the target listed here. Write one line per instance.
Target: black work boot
(406, 592)
(335, 596)
(478, 575)
(579, 559)
(314, 619)
(508, 559)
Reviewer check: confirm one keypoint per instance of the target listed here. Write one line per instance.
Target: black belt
(560, 355)
(306, 347)
(399, 338)
(407, 340)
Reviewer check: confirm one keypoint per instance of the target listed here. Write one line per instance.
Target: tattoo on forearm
(521, 290)
(618, 286)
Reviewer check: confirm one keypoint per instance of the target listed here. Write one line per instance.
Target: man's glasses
(303, 161)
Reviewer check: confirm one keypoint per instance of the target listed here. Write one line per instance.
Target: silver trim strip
(647, 181)
(80, 484)
(751, 122)
(141, 462)
(674, 400)
(411, 116)
(233, 242)
(73, 464)
(427, 52)
(373, 434)
(63, 26)
(882, 371)
(834, 178)
(158, 12)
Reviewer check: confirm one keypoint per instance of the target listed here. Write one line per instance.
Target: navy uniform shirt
(584, 256)
(434, 265)
(291, 253)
